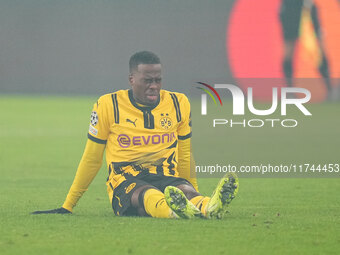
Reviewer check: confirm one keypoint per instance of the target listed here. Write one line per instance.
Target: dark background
(83, 47)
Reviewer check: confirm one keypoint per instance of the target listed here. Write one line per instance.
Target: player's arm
(186, 163)
(88, 168)
(91, 160)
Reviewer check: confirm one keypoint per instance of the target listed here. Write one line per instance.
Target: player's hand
(60, 210)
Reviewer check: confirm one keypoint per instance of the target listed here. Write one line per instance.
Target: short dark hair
(143, 57)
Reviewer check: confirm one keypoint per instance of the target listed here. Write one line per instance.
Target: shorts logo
(94, 118)
(165, 121)
(130, 187)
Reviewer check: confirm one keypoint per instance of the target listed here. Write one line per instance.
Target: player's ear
(131, 79)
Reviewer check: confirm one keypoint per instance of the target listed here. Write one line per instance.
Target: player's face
(146, 83)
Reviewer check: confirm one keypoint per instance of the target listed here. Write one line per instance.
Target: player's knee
(188, 190)
(138, 194)
(137, 199)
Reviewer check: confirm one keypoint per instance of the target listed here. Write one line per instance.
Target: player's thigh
(290, 16)
(122, 196)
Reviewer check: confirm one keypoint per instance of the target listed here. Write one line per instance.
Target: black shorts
(121, 201)
(290, 17)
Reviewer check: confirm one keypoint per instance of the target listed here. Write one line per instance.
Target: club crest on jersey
(94, 118)
(165, 121)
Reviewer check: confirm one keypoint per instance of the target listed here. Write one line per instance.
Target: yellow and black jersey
(138, 138)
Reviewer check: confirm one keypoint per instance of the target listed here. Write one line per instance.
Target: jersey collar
(134, 103)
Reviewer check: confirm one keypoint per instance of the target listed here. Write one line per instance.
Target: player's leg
(287, 64)
(177, 191)
(135, 197)
(290, 16)
(144, 197)
(180, 204)
(216, 205)
(148, 200)
(324, 66)
(223, 194)
(196, 198)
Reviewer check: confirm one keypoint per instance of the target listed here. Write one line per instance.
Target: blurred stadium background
(57, 57)
(82, 47)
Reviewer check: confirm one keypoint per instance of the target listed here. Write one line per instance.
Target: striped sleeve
(183, 113)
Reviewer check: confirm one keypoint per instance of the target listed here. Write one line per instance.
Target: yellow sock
(201, 203)
(155, 204)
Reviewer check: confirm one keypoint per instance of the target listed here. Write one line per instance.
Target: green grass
(41, 142)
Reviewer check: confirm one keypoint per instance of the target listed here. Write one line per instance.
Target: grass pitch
(42, 139)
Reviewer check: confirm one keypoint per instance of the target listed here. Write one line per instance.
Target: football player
(146, 135)
(291, 12)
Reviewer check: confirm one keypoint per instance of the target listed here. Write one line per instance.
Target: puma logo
(130, 121)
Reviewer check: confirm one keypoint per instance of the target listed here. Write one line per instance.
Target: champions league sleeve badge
(94, 118)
